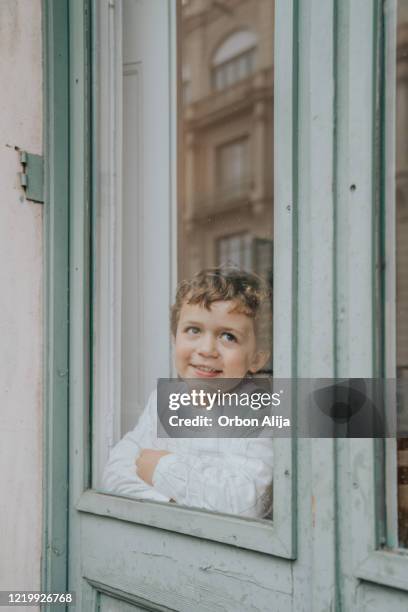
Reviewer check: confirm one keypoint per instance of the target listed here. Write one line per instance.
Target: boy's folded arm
(233, 484)
(120, 475)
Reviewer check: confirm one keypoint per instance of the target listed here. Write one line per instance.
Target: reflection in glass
(225, 217)
(402, 249)
(226, 128)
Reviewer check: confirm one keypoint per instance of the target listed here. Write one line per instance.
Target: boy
(214, 324)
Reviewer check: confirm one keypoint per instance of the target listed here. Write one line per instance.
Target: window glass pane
(402, 249)
(232, 163)
(230, 73)
(223, 216)
(234, 58)
(250, 57)
(241, 67)
(226, 161)
(235, 250)
(226, 148)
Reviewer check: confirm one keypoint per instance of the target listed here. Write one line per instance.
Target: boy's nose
(208, 346)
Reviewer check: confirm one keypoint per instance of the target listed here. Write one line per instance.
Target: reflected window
(232, 163)
(235, 250)
(234, 59)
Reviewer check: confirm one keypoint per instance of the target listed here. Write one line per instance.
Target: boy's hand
(146, 463)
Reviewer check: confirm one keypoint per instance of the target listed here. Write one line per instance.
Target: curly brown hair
(250, 293)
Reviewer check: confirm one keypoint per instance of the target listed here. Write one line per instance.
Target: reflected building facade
(226, 134)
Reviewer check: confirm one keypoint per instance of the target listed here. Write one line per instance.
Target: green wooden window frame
(56, 290)
(66, 50)
(68, 228)
(276, 537)
(386, 564)
(377, 558)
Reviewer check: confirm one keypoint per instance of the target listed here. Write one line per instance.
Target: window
(232, 166)
(140, 258)
(254, 255)
(235, 250)
(234, 59)
(148, 232)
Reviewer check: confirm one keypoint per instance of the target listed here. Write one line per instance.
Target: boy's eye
(192, 330)
(229, 337)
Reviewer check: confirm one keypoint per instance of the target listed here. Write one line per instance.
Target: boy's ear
(259, 361)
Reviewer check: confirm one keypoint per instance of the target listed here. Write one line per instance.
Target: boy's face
(216, 342)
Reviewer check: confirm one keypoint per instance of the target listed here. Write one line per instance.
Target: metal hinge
(32, 176)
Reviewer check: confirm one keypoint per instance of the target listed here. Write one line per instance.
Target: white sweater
(220, 474)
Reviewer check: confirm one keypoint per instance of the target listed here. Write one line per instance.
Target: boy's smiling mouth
(204, 370)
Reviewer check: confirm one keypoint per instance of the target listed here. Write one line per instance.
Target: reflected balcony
(223, 199)
(221, 105)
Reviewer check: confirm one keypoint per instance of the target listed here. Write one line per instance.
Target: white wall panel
(20, 299)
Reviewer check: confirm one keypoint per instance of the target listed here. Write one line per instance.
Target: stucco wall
(20, 299)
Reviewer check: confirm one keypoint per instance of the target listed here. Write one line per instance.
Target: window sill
(253, 534)
(386, 567)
